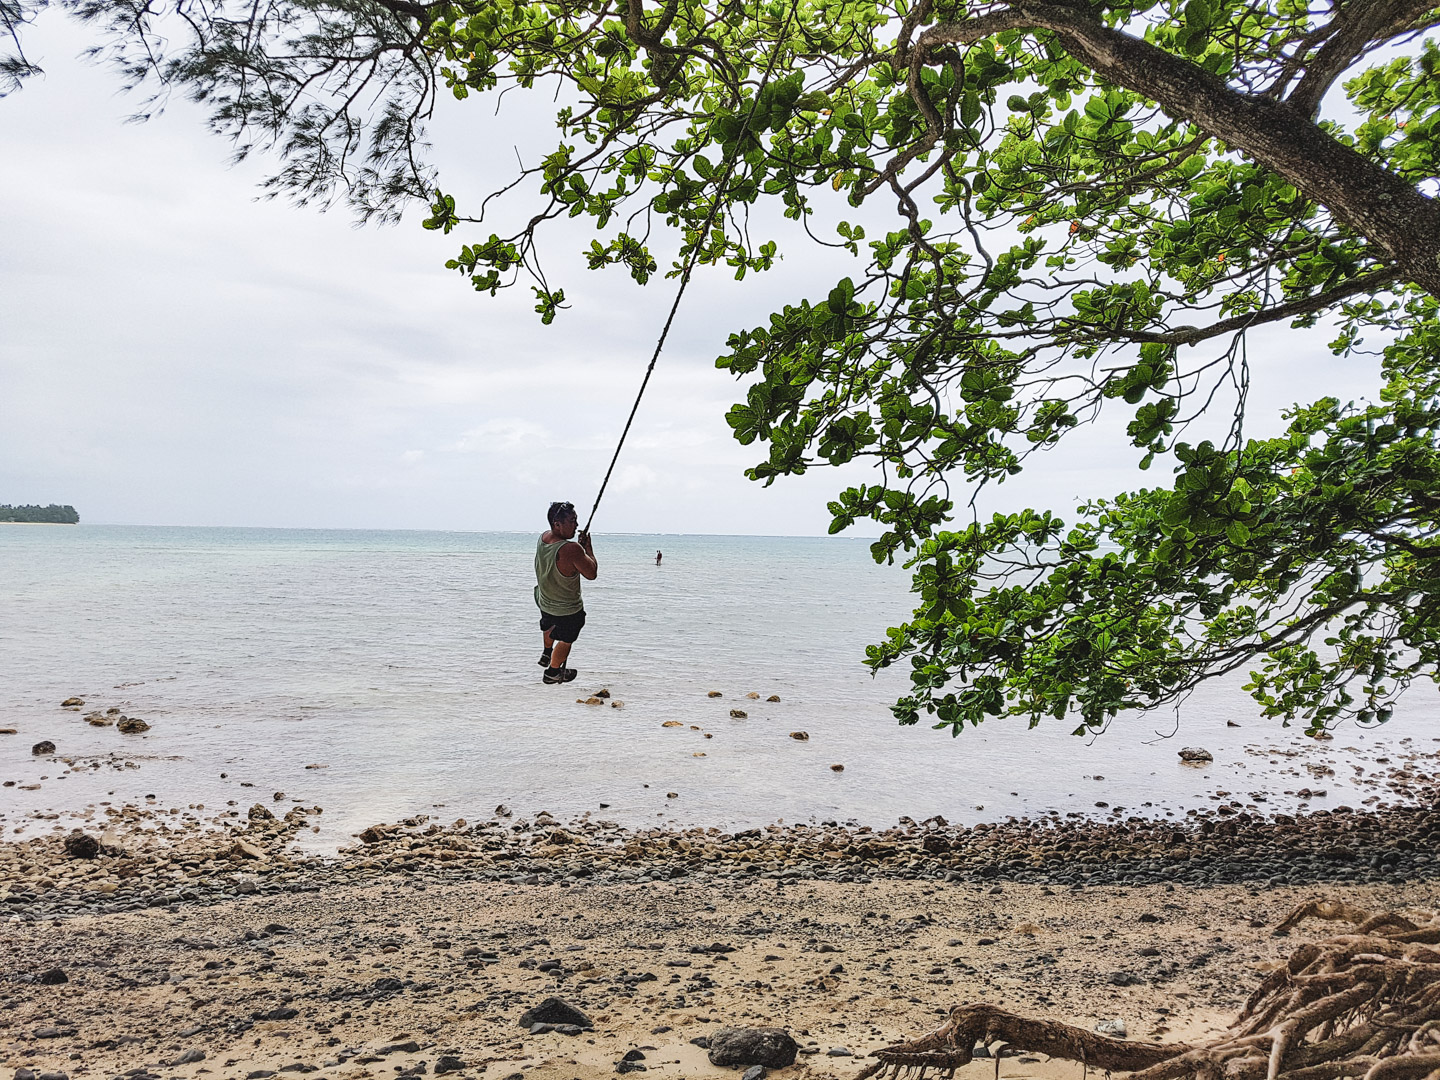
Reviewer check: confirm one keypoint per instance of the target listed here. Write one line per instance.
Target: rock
(753, 696)
(672, 723)
(1196, 753)
(602, 693)
(69, 701)
(448, 1063)
(42, 748)
(98, 720)
(131, 725)
(78, 845)
(800, 736)
(23, 1073)
(9, 731)
(739, 714)
(372, 835)
(773, 697)
(771, 1047)
(502, 810)
(260, 812)
(53, 1074)
(617, 704)
(633, 1055)
(279, 796)
(672, 795)
(629, 1067)
(280, 1012)
(592, 701)
(554, 1010)
(242, 849)
(1115, 1029)
(1124, 978)
(189, 1057)
(714, 693)
(837, 768)
(755, 1072)
(838, 1051)
(410, 1047)
(53, 977)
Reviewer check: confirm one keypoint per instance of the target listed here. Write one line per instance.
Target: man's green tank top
(555, 594)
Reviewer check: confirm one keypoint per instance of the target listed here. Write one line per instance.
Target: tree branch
(1373, 201)
(1355, 28)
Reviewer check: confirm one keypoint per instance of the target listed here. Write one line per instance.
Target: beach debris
(72, 702)
(1367, 993)
(768, 1046)
(1196, 754)
(554, 1010)
(43, 747)
(602, 693)
(773, 697)
(714, 693)
(79, 845)
(261, 812)
(837, 768)
(800, 736)
(131, 725)
(739, 714)
(753, 695)
(672, 723)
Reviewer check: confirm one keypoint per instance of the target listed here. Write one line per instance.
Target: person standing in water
(658, 557)
(560, 563)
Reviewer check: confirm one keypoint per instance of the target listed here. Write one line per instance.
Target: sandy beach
(385, 979)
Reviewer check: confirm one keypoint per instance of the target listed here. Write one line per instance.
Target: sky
(174, 350)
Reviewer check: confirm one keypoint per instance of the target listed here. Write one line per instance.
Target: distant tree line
(58, 515)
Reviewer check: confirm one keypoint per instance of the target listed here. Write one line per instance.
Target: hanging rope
(731, 161)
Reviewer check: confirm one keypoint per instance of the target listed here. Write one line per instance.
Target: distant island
(49, 515)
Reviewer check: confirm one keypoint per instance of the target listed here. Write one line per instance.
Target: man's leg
(559, 654)
(545, 651)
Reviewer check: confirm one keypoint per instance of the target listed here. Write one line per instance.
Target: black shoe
(555, 675)
(544, 659)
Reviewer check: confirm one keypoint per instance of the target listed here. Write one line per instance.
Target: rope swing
(732, 159)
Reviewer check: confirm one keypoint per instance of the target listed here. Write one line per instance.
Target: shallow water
(404, 663)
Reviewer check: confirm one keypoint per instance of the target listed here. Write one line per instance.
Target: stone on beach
(131, 725)
(1196, 754)
(70, 701)
(739, 714)
(768, 1046)
(800, 736)
(261, 812)
(714, 693)
(773, 697)
(79, 845)
(42, 748)
(555, 1011)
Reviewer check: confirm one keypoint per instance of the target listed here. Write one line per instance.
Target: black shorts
(563, 627)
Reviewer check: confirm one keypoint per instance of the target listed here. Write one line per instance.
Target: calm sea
(404, 663)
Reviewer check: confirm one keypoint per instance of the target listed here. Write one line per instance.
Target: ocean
(383, 674)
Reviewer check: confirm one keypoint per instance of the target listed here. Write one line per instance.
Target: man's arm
(579, 558)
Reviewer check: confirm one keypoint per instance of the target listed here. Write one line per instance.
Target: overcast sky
(173, 351)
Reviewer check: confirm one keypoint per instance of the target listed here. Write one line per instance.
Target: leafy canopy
(1095, 201)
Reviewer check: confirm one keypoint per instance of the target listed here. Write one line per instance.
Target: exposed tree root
(1364, 1005)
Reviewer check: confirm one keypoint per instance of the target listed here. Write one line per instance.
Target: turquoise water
(405, 664)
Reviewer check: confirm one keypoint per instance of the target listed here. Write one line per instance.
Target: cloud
(504, 435)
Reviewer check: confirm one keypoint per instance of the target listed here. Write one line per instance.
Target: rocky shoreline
(139, 860)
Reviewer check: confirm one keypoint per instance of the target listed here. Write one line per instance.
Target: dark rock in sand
(282, 1012)
(80, 846)
(771, 1047)
(189, 1056)
(629, 1067)
(53, 977)
(1196, 753)
(755, 1072)
(448, 1063)
(41, 748)
(556, 1011)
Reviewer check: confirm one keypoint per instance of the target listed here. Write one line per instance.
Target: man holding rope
(560, 563)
